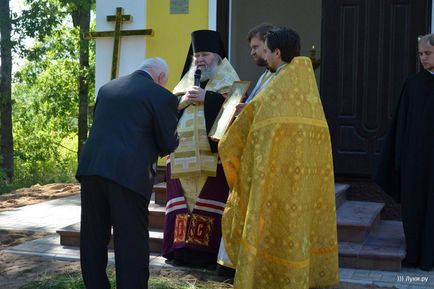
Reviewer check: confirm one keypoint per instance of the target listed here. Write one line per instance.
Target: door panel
(369, 47)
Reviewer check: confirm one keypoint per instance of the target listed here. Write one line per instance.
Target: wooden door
(368, 49)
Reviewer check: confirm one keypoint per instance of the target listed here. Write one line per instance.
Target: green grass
(66, 281)
(74, 281)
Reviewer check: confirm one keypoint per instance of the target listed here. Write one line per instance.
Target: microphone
(197, 75)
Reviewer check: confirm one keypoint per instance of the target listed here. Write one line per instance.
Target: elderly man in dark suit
(135, 120)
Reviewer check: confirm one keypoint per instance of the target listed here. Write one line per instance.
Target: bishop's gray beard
(208, 71)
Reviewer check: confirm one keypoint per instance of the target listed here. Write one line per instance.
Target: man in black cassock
(134, 121)
(406, 168)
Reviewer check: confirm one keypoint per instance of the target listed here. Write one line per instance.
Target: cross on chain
(119, 18)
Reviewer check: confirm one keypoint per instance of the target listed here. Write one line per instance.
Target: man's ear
(278, 52)
(162, 78)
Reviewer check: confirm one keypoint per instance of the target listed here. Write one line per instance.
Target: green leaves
(37, 21)
(46, 103)
(45, 96)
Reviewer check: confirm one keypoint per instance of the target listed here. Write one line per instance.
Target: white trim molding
(212, 15)
(132, 49)
(229, 48)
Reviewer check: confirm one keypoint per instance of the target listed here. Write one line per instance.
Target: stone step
(160, 193)
(70, 236)
(364, 241)
(156, 241)
(383, 249)
(341, 193)
(156, 216)
(356, 219)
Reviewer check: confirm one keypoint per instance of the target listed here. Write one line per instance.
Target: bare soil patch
(17, 270)
(36, 194)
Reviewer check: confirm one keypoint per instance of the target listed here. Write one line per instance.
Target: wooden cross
(119, 18)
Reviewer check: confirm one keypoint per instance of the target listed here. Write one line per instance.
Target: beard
(208, 71)
(260, 61)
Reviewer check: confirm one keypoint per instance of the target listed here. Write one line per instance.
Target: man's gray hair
(154, 65)
(427, 39)
(218, 58)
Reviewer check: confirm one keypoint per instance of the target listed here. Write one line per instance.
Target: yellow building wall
(172, 33)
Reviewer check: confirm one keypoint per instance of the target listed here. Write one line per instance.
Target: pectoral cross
(119, 18)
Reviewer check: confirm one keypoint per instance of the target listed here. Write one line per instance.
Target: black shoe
(225, 271)
(175, 262)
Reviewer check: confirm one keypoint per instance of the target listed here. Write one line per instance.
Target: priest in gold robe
(279, 225)
(196, 186)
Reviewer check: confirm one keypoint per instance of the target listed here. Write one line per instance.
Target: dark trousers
(105, 204)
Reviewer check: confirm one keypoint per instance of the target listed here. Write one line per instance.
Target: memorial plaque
(179, 6)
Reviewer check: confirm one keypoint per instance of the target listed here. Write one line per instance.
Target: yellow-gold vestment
(279, 225)
(193, 157)
(192, 161)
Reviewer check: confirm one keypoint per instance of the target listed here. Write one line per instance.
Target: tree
(80, 12)
(39, 20)
(36, 22)
(83, 17)
(46, 107)
(6, 137)
(39, 26)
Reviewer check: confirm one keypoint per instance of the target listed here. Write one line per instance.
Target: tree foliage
(46, 94)
(52, 90)
(79, 10)
(37, 21)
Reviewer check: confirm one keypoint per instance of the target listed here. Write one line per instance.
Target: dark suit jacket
(135, 120)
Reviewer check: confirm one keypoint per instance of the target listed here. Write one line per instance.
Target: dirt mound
(37, 193)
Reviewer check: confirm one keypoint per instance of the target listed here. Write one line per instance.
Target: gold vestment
(192, 162)
(279, 225)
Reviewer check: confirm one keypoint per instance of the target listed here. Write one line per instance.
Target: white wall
(132, 48)
(432, 17)
(212, 14)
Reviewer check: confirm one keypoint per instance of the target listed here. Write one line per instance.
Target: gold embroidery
(199, 232)
(297, 120)
(274, 259)
(192, 186)
(180, 228)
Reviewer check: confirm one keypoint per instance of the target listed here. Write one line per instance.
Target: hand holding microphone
(197, 75)
(196, 94)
